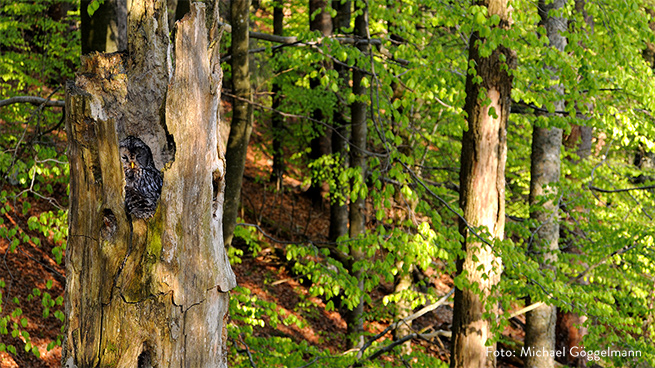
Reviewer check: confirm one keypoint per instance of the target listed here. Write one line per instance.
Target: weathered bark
(357, 218)
(339, 210)
(106, 31)
(277, 121)
(321, 21)
(151, 292)
(241, 127)
(544, 175)
(177, 9)
(482, 194)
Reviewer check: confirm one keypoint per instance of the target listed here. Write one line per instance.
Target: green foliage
(415, 124)
(40, 51)
(416, 94)
(93, 6)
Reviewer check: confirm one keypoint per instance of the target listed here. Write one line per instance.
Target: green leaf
(93, 6)
(480, 18)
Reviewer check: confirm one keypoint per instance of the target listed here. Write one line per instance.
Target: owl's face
(135, 156)
(130, 163)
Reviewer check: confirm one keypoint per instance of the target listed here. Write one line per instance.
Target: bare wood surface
(155, 287)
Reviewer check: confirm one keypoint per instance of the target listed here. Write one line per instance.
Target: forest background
(350, 220)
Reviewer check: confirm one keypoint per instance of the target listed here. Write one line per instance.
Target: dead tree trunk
(482, 193)
(148, 292)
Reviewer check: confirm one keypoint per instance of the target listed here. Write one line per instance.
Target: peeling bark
(482, 194)
(148, 292)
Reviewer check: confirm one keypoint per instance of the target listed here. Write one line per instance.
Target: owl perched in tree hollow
(143, 181)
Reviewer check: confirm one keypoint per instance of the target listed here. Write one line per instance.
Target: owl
(143, 181)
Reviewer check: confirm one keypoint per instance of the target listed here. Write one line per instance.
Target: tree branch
(592, 187)
(32, 100)
(410, 318)
(402, 340)
(295, 40)
(526, 309)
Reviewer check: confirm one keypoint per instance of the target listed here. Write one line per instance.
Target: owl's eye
(124, 158)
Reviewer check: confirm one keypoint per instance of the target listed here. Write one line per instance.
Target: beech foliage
(415, 76)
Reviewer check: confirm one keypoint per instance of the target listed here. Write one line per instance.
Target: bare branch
(592, 187)
(618, 252)
(32, 100)
(294, 40)
(289, 115)
(247, 350)
(402, 340)
(526, 309)
(407, 319)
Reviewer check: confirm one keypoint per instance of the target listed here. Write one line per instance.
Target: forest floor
(286, 215)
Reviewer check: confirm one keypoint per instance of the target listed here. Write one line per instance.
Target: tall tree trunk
(276, 119)
(482, 194)
(339, 210)
(106, 31)
(580, 137)
(241, 127)
(568, 329)
(321, 21)
(147, 292)
(403, 280)
(544, 175)
(355, 318)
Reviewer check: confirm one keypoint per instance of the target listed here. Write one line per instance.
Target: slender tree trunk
(482, 195)
(568, 330)
(404, 280)
(545, 172)
(241, 127)
(540, 322)
(106, 31)
(321, 21)
(403, 308)
(276, 119)
(355, 318)
(580, 137)
(339, 210)
(147, 292)
(343, 9)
